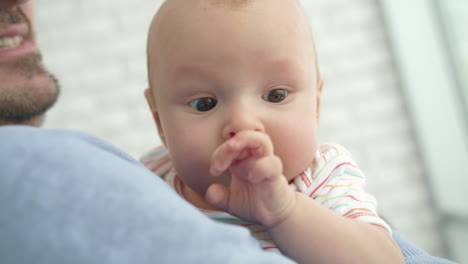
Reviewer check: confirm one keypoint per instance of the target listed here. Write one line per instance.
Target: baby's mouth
(226, 174)
(225, 178)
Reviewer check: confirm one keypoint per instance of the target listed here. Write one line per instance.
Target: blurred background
(395, 94)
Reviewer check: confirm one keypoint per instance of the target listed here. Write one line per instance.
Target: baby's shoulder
(330, 150)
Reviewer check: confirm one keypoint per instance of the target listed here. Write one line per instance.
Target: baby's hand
(258, 192)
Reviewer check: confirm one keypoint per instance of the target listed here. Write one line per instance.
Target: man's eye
(275, 96)
(203, 104)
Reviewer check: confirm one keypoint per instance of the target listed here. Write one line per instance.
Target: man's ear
(153, 108)
(319, 95)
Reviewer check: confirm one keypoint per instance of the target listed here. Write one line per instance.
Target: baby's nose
(238, 123)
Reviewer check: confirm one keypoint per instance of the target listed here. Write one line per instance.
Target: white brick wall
(97, 50)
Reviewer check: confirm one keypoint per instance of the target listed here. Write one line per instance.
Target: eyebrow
(194, 69)
(285, 66)
(189, 70)
(281, 62)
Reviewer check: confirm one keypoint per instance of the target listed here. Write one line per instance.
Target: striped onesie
(336, 182)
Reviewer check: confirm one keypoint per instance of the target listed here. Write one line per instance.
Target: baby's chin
(223, 179)
(290, 173)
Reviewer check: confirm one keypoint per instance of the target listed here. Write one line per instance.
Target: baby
(235, 93)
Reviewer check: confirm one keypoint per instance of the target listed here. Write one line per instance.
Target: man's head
(218, 67)
(27, 90)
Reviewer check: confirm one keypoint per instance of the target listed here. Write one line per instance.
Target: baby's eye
(203, 104)
(275, 95)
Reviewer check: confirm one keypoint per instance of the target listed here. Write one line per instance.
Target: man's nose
(241, 119)
(11, 3)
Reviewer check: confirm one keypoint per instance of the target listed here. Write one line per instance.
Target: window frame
(424, 65)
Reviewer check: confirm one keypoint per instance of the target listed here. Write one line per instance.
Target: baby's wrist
(285, 213)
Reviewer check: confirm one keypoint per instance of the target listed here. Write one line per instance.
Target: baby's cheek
(192, 163)
(190, 168)
(298, 154)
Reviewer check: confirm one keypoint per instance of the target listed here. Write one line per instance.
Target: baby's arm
(301, 227)
(313, 232)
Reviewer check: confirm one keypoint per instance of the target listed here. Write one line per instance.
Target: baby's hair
(232, 4)
(224, 3)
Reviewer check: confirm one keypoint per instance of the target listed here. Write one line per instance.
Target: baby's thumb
(218, 196)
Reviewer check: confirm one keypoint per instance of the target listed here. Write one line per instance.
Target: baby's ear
(319, 94)
(150, 99)
(153, 108)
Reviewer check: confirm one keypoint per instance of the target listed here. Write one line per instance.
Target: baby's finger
(218, 196)
(225, 155)
(240, 147)
(258, 143)
(266, 169)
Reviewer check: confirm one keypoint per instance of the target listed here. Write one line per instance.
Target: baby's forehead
(185, 7)
(175, 16)
(227, 4)
(180, 13)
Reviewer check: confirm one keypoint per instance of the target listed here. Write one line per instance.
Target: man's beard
(34, 91)
(20, 102)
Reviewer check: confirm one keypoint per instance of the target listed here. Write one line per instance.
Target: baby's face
(218, 71)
